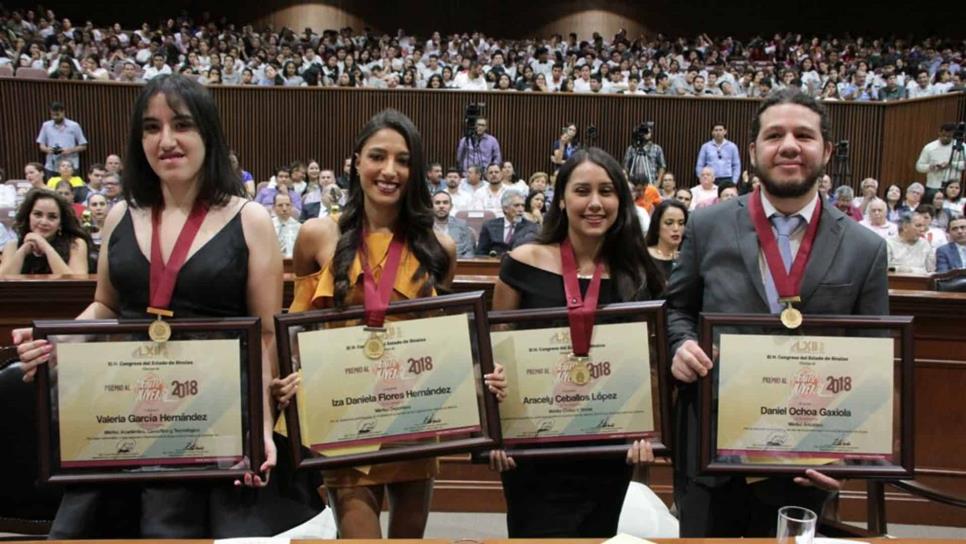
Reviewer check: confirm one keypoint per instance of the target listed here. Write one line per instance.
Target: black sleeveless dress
(579, 498)
(212, 283)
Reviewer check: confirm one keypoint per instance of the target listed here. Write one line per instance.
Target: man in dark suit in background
(497, 236)
(952, 256)
(720, 269)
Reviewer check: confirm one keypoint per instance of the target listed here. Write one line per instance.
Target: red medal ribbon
(580, 311)
(163, 276)
(376, 297)
(788, 283)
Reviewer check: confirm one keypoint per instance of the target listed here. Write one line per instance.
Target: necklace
(665, 255)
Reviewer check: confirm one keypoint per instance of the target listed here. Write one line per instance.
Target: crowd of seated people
(489, 217)
(219, 53)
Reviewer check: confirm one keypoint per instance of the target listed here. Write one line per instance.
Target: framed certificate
(835, 395)
(415, 390)
(116, 406)
(556, 407)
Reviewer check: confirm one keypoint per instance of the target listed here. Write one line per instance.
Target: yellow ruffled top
(315, 292)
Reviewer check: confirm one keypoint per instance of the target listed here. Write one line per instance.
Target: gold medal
(791, 317)
(159, 331)
(580, 371)
(374, 348)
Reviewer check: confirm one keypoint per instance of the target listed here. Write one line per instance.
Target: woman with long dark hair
(665, 233)
(177, 172)
(49, 240)
(592, 215)
(388, 207)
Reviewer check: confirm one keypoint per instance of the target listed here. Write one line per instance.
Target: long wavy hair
(219, 181)
(631, 266)
(415, 215)
(70, 229)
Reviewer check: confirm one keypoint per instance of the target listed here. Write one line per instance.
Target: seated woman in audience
(49, 240)
(435, 82)
(665, 233)
(893, 199)
(97, 208)
(539, 182)
(592, 216)
(387, 195)
(533, 207)
(503, 83)
(540, 84)
(64, 189)
(272, 77)
(447, 77)
(290, 75)
(65, 170)
(941, 214)
(954, 197)
(34, 173)
(563, 148)
(830, 91)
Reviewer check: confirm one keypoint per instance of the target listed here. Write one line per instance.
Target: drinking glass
(796, 525)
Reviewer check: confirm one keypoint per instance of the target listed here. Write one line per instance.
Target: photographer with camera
(60, 139)
(942, 159)
(476, 147)
(644, 159)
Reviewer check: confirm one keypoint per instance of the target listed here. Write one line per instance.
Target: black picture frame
(472, 304)
(652, 312)
(245, 329)
(897, 327)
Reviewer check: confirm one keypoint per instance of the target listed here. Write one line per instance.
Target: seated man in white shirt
(286, 226)
(473, 181)
(908, 252)
(488, 197)
(460, 199)
(472, 79)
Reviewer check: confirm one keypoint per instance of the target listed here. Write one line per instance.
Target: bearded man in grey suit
(721, 268)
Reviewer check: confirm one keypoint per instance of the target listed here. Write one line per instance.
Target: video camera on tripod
(639, 136)
(472, 113)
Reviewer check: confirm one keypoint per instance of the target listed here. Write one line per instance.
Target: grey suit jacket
(718, 271)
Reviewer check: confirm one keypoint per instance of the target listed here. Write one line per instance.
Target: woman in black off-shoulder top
(593, 209)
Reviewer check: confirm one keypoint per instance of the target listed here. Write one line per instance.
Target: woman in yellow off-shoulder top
(386, 195)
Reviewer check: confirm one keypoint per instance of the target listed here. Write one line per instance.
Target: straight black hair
(631, 266)
(219, 182)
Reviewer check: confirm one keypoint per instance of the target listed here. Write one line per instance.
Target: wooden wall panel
(269, 126)
(908, 126)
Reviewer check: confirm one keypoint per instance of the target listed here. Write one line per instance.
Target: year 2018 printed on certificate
(545, 404)
(423, 384)
(802, 396)
(138, 403)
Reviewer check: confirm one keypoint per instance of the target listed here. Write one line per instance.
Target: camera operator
(942, 159)
(644, 159)
(476, 147)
